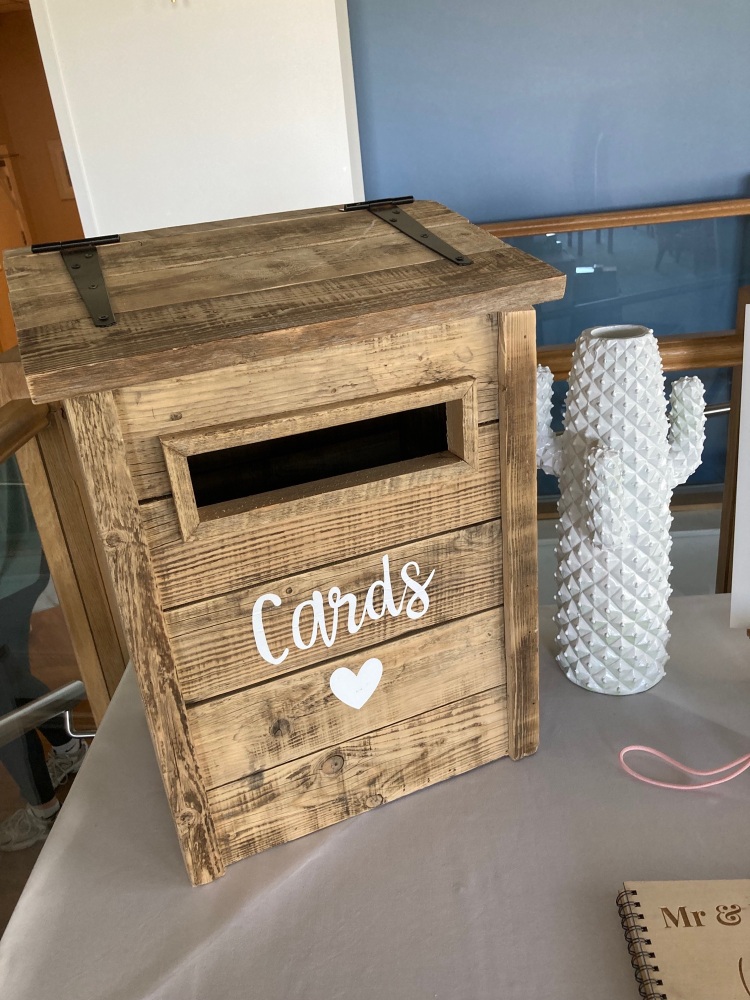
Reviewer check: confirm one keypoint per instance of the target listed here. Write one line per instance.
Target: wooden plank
(517, 383)
(99, 445)
(729, 505)
(12, 380)
(91, 575)
(462, 419)
(233, 434)
(47, 520)
(178, 448)
(247, 548)
(724, 562)
(405, 359)
(679, 352)
(230, 239)
(293, 716)
(628, 217)
(150, 278)
(351, 777)
(436, 468)
(213, 643)
(20, 421)
(183, 494)
(215, 332)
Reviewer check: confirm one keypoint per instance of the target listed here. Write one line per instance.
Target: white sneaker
(23, 829)
(60, 765)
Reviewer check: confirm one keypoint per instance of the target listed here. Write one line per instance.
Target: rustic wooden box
(307, 446)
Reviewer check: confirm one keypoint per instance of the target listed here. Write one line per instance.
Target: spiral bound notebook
(688, 940)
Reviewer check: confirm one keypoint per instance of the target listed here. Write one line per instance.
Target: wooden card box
(307, 446)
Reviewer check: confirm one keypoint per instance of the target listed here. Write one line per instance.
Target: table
(499, 883)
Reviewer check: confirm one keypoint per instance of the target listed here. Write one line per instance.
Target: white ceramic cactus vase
(618, 459)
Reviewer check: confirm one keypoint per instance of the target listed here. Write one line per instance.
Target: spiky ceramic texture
(618, 459)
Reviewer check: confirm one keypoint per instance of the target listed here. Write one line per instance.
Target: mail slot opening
(313, 457)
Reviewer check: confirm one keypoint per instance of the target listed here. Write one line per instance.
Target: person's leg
(24, 758)
(15, 617)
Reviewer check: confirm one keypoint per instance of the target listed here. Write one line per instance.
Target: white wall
(740, 617)
(174, 113)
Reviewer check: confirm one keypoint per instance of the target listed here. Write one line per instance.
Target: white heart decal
(357, 689)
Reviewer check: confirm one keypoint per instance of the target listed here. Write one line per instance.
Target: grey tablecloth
(497, 884)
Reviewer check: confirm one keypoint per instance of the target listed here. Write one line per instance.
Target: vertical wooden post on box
(86, 554)
(101, 451)
(516, 356)
(70, 546)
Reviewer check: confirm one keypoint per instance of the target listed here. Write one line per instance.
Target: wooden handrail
(615, 220)
(12, 381)
(20, 421)
(681, 352)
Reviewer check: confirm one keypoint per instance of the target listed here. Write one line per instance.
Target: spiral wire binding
(639, 944)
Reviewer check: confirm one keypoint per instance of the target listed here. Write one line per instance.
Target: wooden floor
(52, 660)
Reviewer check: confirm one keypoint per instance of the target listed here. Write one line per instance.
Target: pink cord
(743, 761)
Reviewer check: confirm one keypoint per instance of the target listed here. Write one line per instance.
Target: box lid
(194, 298)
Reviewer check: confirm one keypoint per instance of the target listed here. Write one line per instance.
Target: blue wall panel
(503, 109)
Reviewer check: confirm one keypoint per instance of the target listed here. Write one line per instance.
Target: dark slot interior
(277, 464)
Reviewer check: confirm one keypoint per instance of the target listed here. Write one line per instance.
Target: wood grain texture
(244, 330)
(293, 716)
(351, 777)
(213, 642)
(231, 435)
(203, 312)
(85, 548)
(244, 549)
(47, 519)
(154, 275)
(368, 305)
(303, 380)
(209, 242)
(435, 469)
(628, 217)
(181, 485)
(517, 435)
(462, 418)
(461, 430)
(95, 429)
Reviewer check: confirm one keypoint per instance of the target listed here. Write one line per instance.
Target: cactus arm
(604, 492)
(687, 428)
(548, 445)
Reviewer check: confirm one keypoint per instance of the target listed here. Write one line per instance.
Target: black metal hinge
(82, 261)
(389, 211)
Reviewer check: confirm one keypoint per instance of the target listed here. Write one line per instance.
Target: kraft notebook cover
(688, 940)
